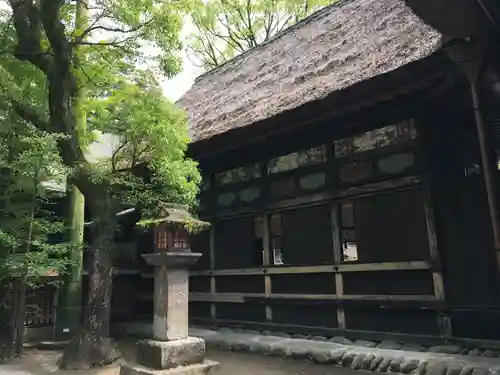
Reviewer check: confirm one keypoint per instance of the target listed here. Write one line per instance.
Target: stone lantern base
(198, 369)
(183, 357)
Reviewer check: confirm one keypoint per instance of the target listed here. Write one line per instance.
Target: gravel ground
(37, 362)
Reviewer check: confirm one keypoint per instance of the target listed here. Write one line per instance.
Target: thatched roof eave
(423, 75)
(336, 48)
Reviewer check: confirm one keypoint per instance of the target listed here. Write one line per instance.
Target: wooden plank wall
(337, 295)
(396, 284)
(456, 185)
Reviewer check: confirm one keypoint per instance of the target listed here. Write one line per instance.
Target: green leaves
(28, 160)
(148, 161)
(226, 28)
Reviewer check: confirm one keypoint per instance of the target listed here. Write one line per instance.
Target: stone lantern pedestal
(171, 351)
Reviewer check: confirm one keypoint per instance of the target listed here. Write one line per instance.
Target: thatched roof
(175, 214)
(339, 46)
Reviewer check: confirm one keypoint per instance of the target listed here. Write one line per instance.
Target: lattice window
(258, 241)
(161, 238)
(276, 242)
(239, 174)
(348, 232)
(387, 227)
(374, 139)
(316, 155)
(181, 241)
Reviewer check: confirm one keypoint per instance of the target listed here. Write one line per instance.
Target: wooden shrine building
(344, 183)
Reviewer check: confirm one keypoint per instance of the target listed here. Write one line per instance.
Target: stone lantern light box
(172, 229)
(171, 349)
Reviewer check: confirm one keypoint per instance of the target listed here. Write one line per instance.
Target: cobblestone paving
(45, 363)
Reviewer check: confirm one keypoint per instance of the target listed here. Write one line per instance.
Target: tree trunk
(21, 286)
(70, 296)
(91, 346)
(20, 315)
(6, 321)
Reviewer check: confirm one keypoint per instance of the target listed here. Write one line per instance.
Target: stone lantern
(171, 348)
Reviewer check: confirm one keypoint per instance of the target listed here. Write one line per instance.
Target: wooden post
(437, 276)
(267, 261)
(489, 170)
(213, 288)
(337, 253)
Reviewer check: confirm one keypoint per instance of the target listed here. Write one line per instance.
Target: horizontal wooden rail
(244, 297)
(388, 266)
(333, 268)
(283, 270)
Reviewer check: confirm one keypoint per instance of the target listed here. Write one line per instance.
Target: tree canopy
(113, 49)
(226, 28)
(122, 99)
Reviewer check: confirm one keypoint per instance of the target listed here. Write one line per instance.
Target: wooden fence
(40, 306)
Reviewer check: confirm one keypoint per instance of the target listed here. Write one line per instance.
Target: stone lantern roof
(175, 214)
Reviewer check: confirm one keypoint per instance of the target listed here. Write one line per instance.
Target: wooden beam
(377, 187)
(444, 320)
(269, 309)
(320, 198)
(388, 298)
(387, 266)
(243, 297)
(340, 268)
(213, 286)
(229, 272)
(337, 254)
(372, 95)
(120, 271)
(309, 200)
(267, 261)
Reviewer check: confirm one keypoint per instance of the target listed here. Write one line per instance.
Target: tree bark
(20, 315)
(21, 283)
(70, 294)
(7, 315)
(91, 346)
(70, 312)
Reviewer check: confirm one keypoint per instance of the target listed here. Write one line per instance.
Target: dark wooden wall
(392, 286)
(463, 222)
(424, 263)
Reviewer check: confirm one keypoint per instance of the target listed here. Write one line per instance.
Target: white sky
(174, 88)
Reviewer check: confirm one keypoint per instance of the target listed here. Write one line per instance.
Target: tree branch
(247, 36)
(62, 84)
(30, 115)
(80, 38)
(110, 43)
(115, 154)
(233, 39)
(26, 17)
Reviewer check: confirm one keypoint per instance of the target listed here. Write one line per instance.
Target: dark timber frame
(265, 303)
(279, 254)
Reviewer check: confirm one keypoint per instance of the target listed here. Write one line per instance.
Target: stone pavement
(231, 363)
(354, 357)
(337, 354)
